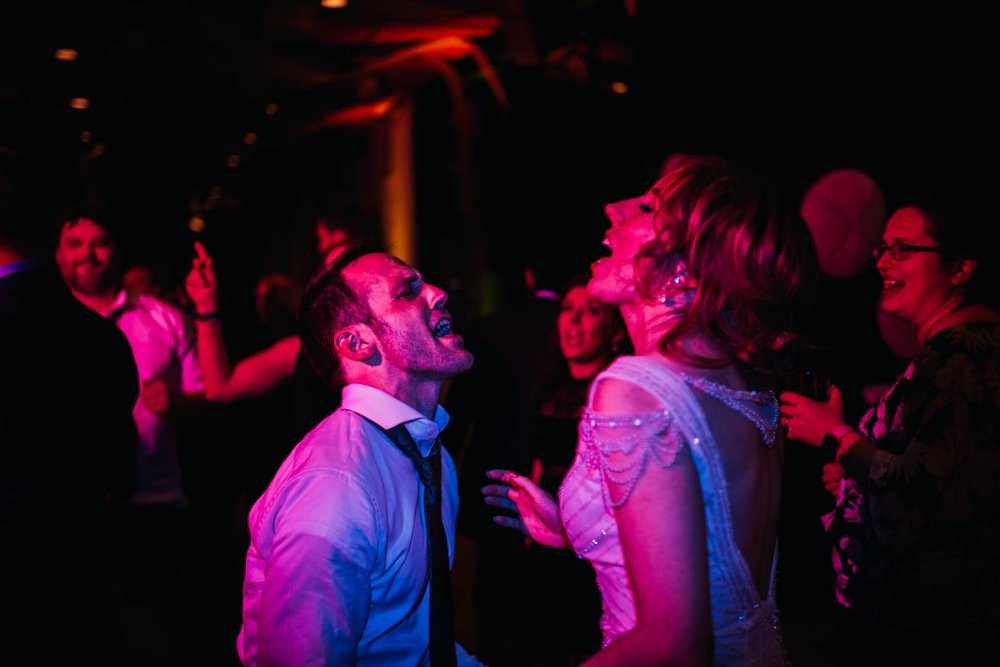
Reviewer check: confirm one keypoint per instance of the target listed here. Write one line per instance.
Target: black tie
(429, 470)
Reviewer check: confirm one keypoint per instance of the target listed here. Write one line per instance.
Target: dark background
(174, 86)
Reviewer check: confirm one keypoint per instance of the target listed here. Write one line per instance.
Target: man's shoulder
(34, 330)
(341, 441)
(155, 312)
(33, 287)
(335, 458)
(39, 298)
(157, 305)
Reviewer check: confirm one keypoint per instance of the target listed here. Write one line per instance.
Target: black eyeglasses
(900, 251)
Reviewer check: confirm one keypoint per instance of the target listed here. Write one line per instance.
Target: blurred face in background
(586, 327)
(330, 242)
(139, 280)
(86, 256)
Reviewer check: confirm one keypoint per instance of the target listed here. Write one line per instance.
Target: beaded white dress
(745, 628)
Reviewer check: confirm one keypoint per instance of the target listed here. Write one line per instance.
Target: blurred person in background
(151, 529)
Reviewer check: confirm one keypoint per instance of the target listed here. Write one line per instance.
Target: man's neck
(100, 302)
(422, 396)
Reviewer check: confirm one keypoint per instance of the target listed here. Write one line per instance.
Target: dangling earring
(678, 291)
(676, 282)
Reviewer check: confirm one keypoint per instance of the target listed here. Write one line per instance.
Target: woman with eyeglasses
(916, 527)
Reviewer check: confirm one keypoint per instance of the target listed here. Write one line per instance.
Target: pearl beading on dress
(767, 402)
(593, 543)
(638, 437)
(655, 422)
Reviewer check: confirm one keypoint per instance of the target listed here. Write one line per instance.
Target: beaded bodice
(607, 468)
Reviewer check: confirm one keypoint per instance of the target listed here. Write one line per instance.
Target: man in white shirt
(338, 566)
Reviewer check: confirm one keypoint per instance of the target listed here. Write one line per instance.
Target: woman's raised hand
(537, 511)
(200, 282)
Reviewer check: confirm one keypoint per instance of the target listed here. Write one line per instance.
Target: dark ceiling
(208, 67)
(185, 80)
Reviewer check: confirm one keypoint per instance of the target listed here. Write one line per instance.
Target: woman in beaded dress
(673, 496)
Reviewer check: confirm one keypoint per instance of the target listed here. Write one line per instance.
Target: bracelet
(204, 317)
(844, 444)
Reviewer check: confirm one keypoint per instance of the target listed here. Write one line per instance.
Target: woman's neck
(953, 316)
(647, 324)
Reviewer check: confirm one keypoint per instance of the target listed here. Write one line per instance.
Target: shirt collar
(118, 306)
(388, 411)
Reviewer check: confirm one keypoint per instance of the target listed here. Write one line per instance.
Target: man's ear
(355, 342)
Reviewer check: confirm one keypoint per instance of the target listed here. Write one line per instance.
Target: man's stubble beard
(449, 363)
(94, 285)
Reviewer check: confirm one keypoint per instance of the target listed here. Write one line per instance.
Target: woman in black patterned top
(916, 528)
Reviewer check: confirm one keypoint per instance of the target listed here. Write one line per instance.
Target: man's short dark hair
(330, 304)
(97, 212)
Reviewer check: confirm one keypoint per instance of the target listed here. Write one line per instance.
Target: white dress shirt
(337, 572)
(163, 344)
